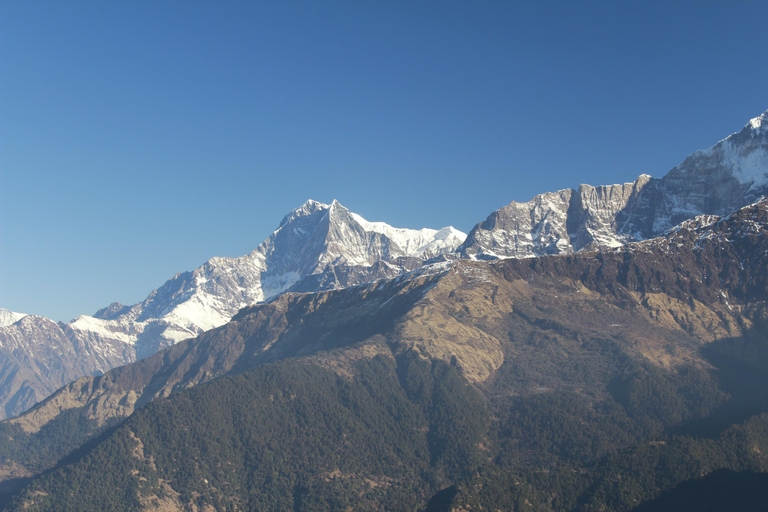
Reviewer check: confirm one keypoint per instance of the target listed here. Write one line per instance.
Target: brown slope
(572, 321)
(289, 326)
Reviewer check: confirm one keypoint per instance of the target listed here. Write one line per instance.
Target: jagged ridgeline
(316, 247)
(605, 380)
(714, 181)
(325, 246)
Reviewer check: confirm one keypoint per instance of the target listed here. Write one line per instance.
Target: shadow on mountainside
(745, 491)
(741, 365)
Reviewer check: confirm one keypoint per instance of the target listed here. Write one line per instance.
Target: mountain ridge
(322, 247)
(317, 246)
(714, 181)
(740, 279)
(595, 331)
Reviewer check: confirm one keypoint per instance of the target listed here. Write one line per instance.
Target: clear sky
(138, 139)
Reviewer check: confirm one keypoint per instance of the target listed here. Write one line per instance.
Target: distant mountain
(9, 317)
(316, 247)
(325, 247)
(551, 383)
(715, 181)
(37, 357)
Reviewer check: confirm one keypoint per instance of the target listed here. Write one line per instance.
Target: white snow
(748, 167)
(200, 313)
(8, 317)
(276, 284)
(109, 329)
(415, 242)
(760, 122)
(748, 161)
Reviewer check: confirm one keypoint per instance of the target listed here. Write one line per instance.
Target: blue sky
(138, 139)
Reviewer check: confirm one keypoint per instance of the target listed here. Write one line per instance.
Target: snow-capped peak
(9, 317)
(759, 122)
(416, 242)
(742, 155)
(311, 205)
(421, 243)
(448, 232)
(317, 246)
(308, 208)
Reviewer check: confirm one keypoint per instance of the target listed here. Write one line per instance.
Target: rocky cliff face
(560, 222)
(316, 247)
(715, 181)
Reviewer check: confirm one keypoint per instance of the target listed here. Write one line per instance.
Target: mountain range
(713, 181)
(316, 247)
(613, 315)
(320, 247)
(476, 384)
